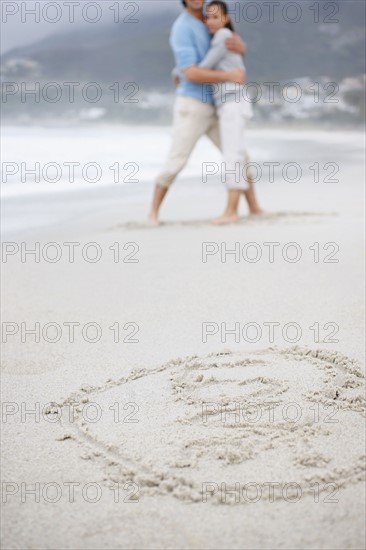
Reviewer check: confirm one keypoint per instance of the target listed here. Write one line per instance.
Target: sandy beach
(192, 386)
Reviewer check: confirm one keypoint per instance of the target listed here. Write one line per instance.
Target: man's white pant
(192, 120)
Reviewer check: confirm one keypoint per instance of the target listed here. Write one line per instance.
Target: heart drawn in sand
(272, 416)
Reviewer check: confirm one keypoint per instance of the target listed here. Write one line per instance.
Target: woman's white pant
(233, 118)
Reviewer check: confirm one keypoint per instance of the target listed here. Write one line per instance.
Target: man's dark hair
(184, 3)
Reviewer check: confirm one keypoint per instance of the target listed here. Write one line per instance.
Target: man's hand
(236, 75)
(204, 76)
(236, 44)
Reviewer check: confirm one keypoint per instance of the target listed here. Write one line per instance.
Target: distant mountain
(140, 51)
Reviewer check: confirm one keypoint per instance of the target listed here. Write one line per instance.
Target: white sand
(170, 377)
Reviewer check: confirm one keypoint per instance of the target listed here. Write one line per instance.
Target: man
(194, 110)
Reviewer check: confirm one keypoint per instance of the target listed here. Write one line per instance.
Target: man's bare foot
(225, 219)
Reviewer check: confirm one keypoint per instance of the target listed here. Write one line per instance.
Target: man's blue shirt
(190, 41)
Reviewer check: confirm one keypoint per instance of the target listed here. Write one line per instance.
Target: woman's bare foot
(225, 219)
(254, 208)
(257, 211)
(153, 220)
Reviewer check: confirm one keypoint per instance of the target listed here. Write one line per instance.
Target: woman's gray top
(220, 58)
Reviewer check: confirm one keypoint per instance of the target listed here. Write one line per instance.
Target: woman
(232, 108)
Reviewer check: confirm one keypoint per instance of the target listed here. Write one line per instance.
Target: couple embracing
(209, 101)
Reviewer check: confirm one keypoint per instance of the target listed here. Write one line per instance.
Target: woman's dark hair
(184, 3)
(225, 10)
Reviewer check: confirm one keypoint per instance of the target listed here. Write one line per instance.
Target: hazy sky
(19, 27)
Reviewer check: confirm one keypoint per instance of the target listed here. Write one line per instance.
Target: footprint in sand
(292, 416)
(270, 217)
